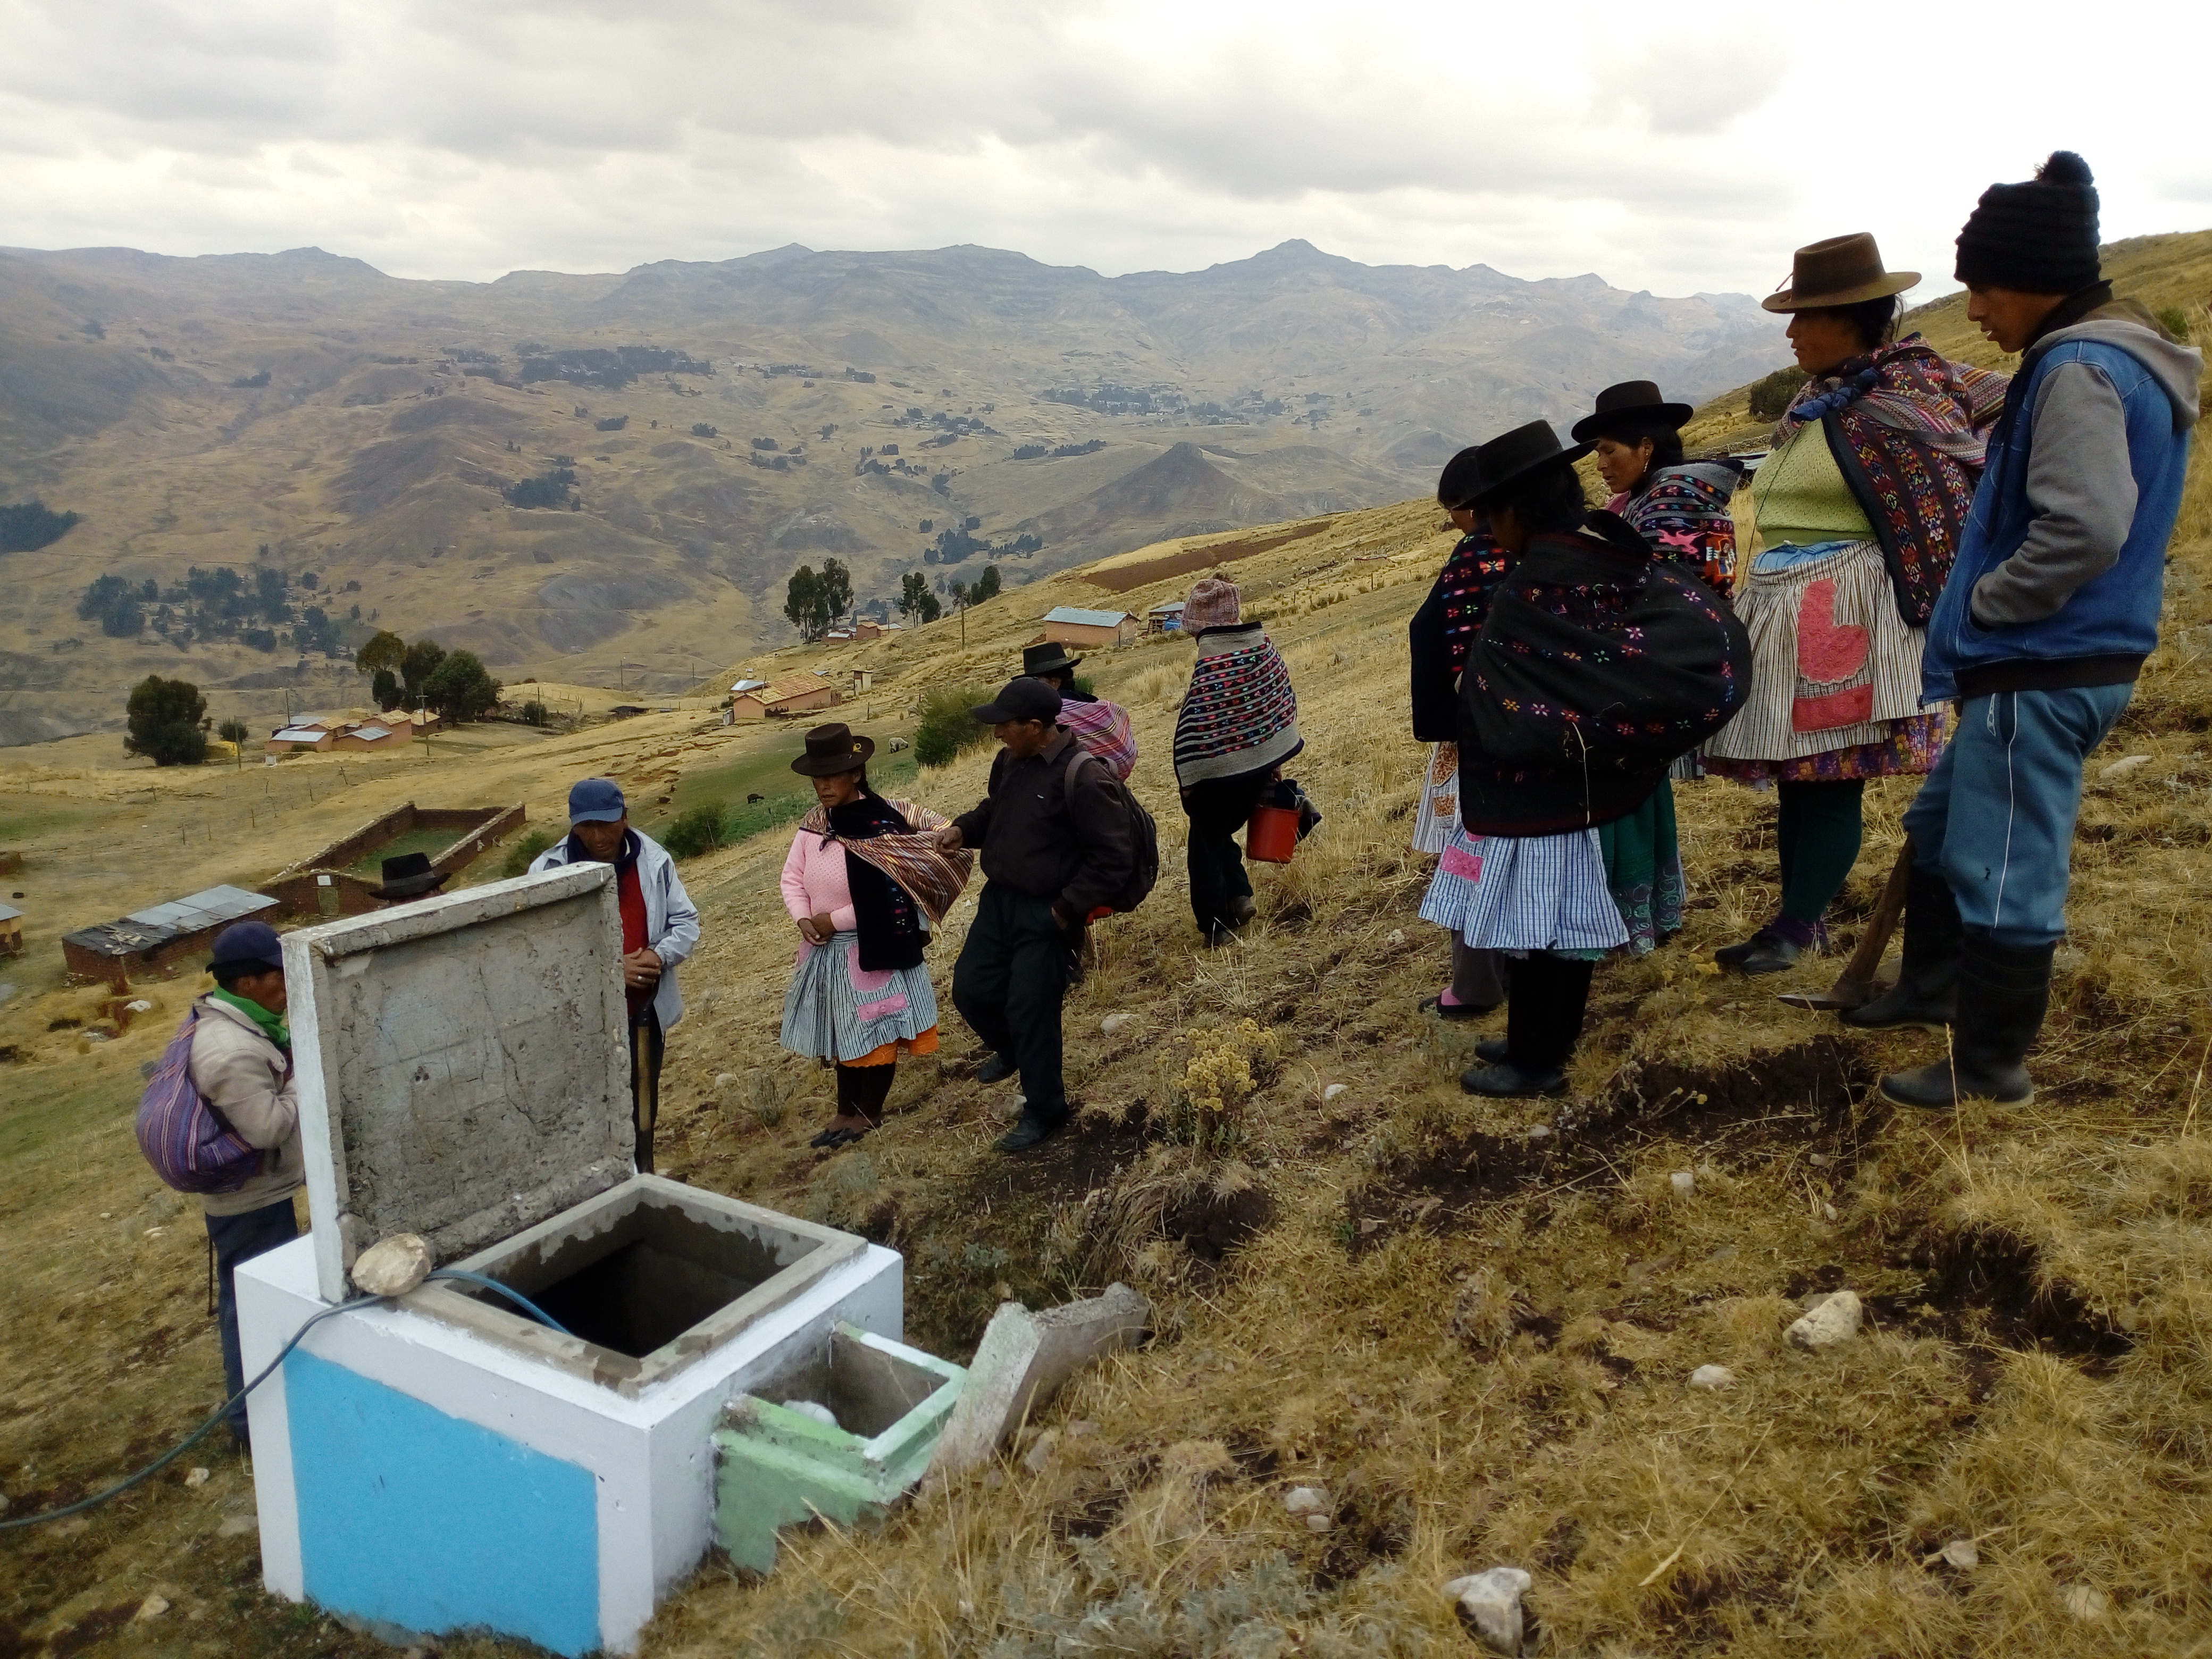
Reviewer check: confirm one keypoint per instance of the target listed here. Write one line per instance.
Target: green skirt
(1644, 868)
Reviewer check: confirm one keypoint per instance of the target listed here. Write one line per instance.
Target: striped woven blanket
(932, 877)
(1103, 728)
(1240, 714)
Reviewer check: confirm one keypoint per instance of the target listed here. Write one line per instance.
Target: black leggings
(862, 1091)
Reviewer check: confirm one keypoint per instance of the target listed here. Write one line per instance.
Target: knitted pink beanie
(1213, 602)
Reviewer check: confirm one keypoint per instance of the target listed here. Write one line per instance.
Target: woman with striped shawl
(1239, 723)
(864, 881)
(1855, 514)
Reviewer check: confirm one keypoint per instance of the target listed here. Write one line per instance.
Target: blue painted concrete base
(413, 1518)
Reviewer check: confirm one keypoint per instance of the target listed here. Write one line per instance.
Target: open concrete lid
(463, 1064)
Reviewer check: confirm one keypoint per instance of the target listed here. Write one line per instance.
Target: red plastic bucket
(1272, 835)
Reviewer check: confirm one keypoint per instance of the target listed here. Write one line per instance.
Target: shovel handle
(1867, 958)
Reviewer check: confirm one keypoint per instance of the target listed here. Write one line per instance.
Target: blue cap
(248, 941)
(597, 801)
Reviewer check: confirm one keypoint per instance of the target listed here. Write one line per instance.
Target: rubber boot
(1926, 993)
(1543, 1020)
(2004, 991)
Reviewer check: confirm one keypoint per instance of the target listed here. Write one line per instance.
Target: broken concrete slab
(1023, 1361)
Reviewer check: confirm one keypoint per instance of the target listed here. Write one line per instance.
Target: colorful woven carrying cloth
(1240, 714)
(1683, 512)
(1596, 666)
(1103, 728)
(1438, 637)
(932, 877)
(1909, 428)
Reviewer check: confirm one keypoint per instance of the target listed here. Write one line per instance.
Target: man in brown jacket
(1053, 850)
(242, 1066)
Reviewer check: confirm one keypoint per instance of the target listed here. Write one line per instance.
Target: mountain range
(597, 476)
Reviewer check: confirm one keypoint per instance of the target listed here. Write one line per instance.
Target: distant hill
(697, 430)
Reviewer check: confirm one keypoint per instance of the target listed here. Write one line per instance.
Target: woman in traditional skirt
(864, 881)
(1681, 509)
(1595, 667)
(1856, 513)
(1438, 635)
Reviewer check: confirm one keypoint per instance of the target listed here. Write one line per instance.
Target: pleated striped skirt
(1525, 893)
(836, 1010)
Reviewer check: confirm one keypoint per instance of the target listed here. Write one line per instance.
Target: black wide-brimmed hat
(409, 876)
(1050, 658)
(1631, 403)
(1474, 476)
(1844, 271)
(832, 749)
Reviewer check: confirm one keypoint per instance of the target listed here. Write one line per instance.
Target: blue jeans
(240, 1238)
(1995, 818)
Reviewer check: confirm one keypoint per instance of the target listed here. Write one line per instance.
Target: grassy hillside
(1472, 1322)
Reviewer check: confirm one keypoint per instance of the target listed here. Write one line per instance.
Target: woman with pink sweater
(865, 881)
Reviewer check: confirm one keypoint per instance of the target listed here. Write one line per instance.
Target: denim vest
(2113, 614)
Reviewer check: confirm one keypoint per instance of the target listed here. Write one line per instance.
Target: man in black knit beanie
(2052, 605)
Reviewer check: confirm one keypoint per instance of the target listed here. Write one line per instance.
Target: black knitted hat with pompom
(2039, 237)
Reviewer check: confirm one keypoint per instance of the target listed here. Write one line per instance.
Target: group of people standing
(1944, 572)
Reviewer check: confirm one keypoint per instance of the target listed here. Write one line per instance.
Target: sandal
(1456, 1010)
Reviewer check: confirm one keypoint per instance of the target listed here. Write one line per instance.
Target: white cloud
(1663, 149)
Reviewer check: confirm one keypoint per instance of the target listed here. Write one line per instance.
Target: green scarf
(272, 1025)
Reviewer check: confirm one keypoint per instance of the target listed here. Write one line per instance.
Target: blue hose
(511, 1295)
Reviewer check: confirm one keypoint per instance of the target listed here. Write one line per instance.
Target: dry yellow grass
(1476, 1335)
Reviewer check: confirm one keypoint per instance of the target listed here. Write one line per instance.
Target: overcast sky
(1674, 147)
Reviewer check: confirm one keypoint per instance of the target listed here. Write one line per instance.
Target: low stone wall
(489, 826)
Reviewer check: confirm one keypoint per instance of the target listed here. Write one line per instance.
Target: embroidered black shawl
(885, 913)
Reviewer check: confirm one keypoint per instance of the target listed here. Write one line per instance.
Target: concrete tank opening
(646, 1278)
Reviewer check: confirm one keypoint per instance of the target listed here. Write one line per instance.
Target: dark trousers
(1545, 995)
(238, 1238)
(1217, 809)
(1008, 984)
(648, 1046)
(1818, 829)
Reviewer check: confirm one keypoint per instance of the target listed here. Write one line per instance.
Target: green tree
(836, 592)
(1771, 397)
(26, 526)
(946, 727)
(916, 602)
(233, 730)
(164, 718)
(985, 587)
(802, 601)
(385, 649)
(420, 661)
(459, 689)
(385, 688)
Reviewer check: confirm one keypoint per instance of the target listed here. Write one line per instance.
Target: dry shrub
(1227, 1065)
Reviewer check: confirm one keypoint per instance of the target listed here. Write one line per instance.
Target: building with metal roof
(148, 940)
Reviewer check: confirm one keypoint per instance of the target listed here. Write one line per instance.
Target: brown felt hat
(832, 749)
(1840, 271)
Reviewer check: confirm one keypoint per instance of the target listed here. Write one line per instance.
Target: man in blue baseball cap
(241, 1064)
(660, 927)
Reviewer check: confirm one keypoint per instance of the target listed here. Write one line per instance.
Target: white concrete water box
(441, 1462)
(777, 1466)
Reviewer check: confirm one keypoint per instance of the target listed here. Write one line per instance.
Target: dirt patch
(94, 1627)
(1120, 578)
(1984, 1287)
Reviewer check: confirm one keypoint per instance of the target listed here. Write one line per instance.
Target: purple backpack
(184, 1137)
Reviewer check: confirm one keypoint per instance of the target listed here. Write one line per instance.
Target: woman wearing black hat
(1100, 727)
(864, 881)
(1596, 665)
(1857, 512)
(1680, 506)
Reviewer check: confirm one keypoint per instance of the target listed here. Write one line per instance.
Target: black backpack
(1144, 832)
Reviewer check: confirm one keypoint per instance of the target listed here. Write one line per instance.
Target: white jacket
(671, 920)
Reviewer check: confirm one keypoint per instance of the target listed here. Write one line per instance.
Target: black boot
(2004, 992)
(1544, 1009)
(1926, 993)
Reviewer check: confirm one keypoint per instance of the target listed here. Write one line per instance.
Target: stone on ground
(1335, 1091)
(1712, 1376)
(1684, 1183)
(1962, 1553)
(2086, 1602)
(1114, 1023)
(1307, 1500)
(1833, 1320)
(198, 1477)
(1490, 1602)
(1021, 1363)
(152, 1607)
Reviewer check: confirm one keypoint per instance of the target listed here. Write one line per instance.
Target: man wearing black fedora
(1101, 727)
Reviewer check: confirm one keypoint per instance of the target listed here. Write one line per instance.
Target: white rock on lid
(1833, 1320)
(393, 1266)
(1492, 1602)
